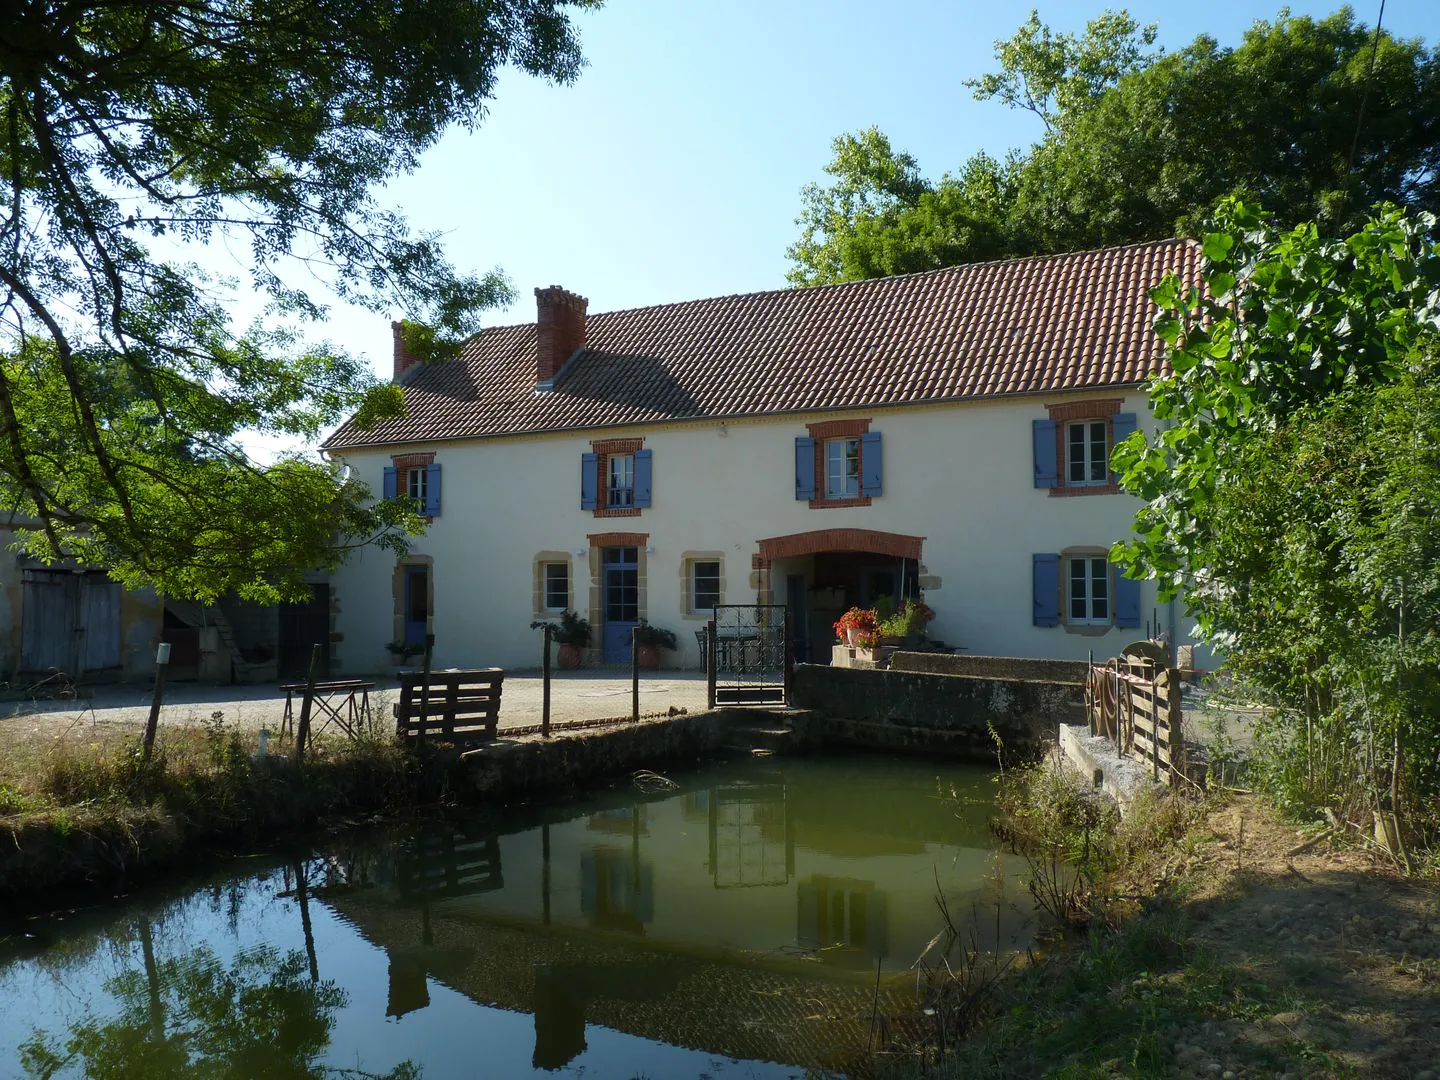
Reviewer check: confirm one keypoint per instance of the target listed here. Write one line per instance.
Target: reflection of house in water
(742, 917)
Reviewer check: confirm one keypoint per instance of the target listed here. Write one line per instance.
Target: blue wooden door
(622, 602)
(417, 604)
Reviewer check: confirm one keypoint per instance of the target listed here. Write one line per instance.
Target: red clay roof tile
(1036, 325)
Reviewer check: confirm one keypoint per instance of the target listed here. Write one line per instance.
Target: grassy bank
(77, 811)
(1199, 939)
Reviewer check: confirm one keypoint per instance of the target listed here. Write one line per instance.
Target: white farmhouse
(944, 433)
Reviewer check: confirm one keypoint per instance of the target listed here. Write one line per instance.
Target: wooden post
(162, 657)
(545, 708)
(545, 872)
(789, 658)
(425, 688)
(710, 664)
(302, 730)
(303, 896)
(635, 675)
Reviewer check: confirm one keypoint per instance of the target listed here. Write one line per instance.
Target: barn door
(99, 629)
(49, 617)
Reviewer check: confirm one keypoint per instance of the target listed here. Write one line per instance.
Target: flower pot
(649, 658)
(569, 657)
(851, 633)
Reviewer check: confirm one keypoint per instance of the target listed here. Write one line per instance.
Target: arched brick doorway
(821, 573)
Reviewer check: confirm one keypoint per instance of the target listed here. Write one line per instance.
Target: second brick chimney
(560, 330)
(404, 358)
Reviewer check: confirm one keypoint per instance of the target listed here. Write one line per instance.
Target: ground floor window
(557, 586)
(704, 586)
(1089, 589)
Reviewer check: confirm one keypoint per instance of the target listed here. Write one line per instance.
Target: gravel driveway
(584, 695)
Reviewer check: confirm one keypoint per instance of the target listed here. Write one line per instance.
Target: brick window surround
(403, 463)
(602, 449)
(835, 429)
(1099, 409)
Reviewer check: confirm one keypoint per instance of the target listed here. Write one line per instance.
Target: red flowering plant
(857, 619)
(867, 639)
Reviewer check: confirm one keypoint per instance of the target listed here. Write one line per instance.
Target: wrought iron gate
(748, 655)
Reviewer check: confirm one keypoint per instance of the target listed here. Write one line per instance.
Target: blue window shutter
(1122, 428)
(872, 464)
(1127, 601)
(642, 478)
(432, 490)
(804, 467)
(589, 480)
(391, 487)
(1047, 475)
(1047, 589)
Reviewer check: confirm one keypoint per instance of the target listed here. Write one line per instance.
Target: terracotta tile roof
(1036, 325)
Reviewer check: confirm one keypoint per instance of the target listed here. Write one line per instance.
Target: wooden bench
(461, 706)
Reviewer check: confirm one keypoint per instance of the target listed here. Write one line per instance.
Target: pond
(758, 919)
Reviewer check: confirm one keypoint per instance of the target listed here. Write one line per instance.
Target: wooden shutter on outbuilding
(391, 487)
(432, 490)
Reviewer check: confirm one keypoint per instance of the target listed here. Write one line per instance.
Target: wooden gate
(1134, 701)
(69, 622)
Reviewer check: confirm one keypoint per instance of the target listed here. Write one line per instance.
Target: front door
(302, 627)
(795, 604)
(417, 604)
(622, 602)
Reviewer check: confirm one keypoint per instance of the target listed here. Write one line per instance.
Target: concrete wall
(952, 714)
(961, 476)
(1024, 669)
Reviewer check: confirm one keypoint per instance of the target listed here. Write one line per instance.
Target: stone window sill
(831, 504)
(1084, 489)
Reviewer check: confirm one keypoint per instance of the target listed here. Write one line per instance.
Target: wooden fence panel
(1136, 704)
(457, 706)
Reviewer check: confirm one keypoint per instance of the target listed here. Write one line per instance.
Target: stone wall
(532, 765)
(925, 713)
(1019, 668)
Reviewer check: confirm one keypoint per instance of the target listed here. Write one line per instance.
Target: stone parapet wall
(1012, 668)
(926, 713)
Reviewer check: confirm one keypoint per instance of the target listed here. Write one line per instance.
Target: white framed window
(842, 468)
(1087, 590)
(704, 585)
(557, 586)
(1087, 453)
(417, 485)
(620, 484)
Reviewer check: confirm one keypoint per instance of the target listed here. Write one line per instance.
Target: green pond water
(729, 927)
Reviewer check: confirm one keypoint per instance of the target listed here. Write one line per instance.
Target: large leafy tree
(124, 388)
(1293, 491)
(1317, 119)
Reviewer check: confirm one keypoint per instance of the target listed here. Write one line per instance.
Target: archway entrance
(818, 575)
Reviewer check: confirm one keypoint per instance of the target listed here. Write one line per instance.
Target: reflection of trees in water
(195, 1017)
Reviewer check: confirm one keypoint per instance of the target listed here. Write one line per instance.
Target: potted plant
(867, 645)
(852, 623)
(572, 634)
(651, 639)
(908, 624)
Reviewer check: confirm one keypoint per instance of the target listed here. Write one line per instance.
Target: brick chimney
(404, 358)
(560, 330)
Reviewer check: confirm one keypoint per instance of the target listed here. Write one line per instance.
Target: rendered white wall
(960, 475)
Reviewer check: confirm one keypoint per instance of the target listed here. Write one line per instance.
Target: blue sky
(671, 169)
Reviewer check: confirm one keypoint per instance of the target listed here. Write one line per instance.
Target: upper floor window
(620, 489)
(616, 477)
(1087, 452)
(842, 468)
(840, 463)
(1073, 446)
(415, 476)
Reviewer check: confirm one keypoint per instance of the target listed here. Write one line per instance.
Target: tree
(1140, 145)
(1292, 492)
(123, 387)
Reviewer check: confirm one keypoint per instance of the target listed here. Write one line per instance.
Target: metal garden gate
(748, 657)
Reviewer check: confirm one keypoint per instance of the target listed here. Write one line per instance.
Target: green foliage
(1273, 119)
(123, 388)
(571, 629)
(656, 636)
(1293, 492)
